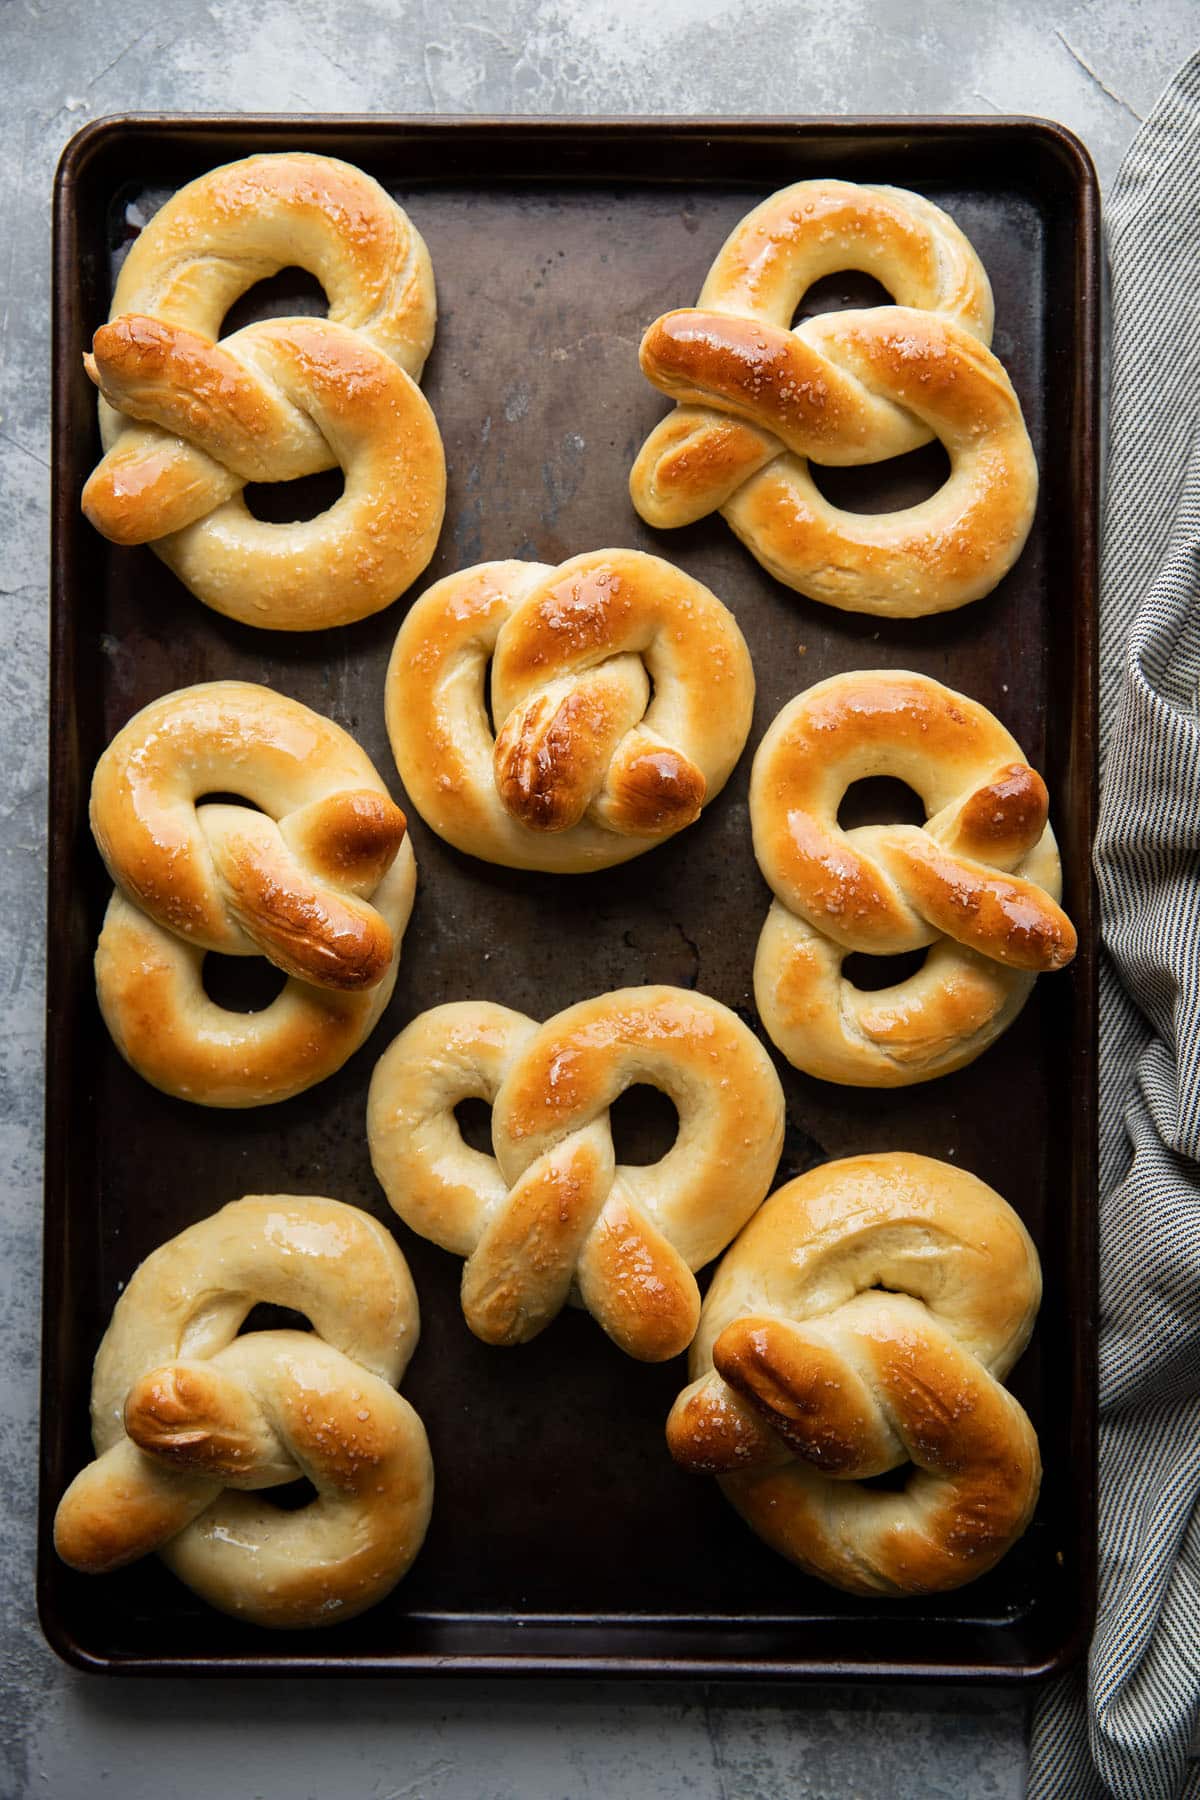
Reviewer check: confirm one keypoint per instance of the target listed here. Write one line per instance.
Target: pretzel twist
(590, 764)
(979, 881)
(190, 1420)
(757, 400)
(319, 881)
(807, 1380)
(551, 1217)
(186, 420)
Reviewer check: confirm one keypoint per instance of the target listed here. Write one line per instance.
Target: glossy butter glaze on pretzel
(190, 1421)
(977, 884)
(314, 872)
(864, 1320)
(551, 1217)
(187, 420)
(621, 695)
(758, 400)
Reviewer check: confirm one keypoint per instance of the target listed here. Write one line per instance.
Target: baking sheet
(562, 1536)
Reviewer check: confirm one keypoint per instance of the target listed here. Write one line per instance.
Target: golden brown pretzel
(316, 873)
(757, 400)
(978, 882)
(552, 1216)
(186, 420)
(591, 763)
(185, 1413)
(807, 1379)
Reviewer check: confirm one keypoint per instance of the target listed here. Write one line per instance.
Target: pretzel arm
(767, 377)
(693, 462)
(519, 1275)
(1012, 921)
(712, 1430)
(124, 1505)
(809, 1393)
(150, 483)
(637, 1285)
(305, 927)
(179, 381)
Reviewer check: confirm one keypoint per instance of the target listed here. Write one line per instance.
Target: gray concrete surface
(1097, 67)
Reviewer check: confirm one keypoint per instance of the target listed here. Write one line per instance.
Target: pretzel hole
(292, 292)
(844, 290)
(292, 1496)
(870, 973)
(288, 502)
(267, 1317)
(488, 709)
(891, 486)
(224, 799)
(474, 1119)
(892, 1481)
(241, 984)
(644, 1124)
(880, 800)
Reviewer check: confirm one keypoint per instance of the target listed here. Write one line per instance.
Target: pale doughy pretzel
(590, 764)
(320, 881)
(807, 1379)
(758, 400)
(979, 881)
(184, 1412)
(552, 1216)
(187, 421)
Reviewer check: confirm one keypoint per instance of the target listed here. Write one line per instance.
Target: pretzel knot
(978, 882)
(319, 881)
(807, 1380)
(190, 1420)
(757, 400)
(621, 690)
(551, 1216)
(186, 420)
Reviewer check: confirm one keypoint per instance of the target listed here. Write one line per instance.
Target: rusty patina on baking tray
(563, 1537)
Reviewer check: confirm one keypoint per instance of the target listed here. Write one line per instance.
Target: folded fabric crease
(1124, 1727)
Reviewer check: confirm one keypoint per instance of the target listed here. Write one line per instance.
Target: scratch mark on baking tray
(561, 480)
(468, 534)
(601, 339)
(1089, 71)
(660, 943)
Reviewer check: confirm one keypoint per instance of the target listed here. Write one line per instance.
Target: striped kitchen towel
(1125, 1726)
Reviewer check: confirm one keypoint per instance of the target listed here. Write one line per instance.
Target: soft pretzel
(758, 400)
(978, 882)
(186, 420)
(621, 692)
(185, 1413)
(319, 880)
(550, 1216)
(863, 1320)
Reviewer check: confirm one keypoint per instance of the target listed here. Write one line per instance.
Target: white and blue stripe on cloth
(1124, 1727)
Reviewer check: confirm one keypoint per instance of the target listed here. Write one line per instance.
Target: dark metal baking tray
(563, 1538)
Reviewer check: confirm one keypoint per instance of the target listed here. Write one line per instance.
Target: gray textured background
(1097, 67)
